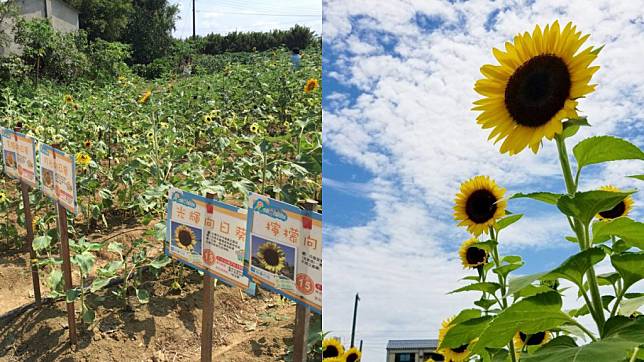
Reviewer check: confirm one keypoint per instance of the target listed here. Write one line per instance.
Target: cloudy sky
(224, 16)
(399, 138)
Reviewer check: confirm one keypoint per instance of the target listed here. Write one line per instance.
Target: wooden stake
(24, 188)
(302, 316)
(208, 311)
(67, 271)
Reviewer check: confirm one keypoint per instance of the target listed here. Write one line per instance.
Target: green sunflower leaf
(487, 287)
(547, 197)
(507, 221)
(629, 266)
(99, 283)
(466, 314)
(630, 306)
(464, 332)
(603, 149)
(72, 295)
(160, 262)
(574, 268)
(41, 242)
(143, 296)
(585, 205)
(530, 315)
(504, 270)
(631, 231)
(639, 177)
(571, 126)
(519, 283)
(615, 346)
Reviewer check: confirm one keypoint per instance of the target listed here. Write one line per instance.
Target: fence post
(208, 311)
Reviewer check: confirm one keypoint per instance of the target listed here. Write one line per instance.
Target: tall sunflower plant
(532, 95)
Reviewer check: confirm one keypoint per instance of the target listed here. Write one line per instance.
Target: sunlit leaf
(605, 148)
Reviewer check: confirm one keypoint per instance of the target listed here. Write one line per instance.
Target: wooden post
(302, 316)
(24, 188)
(208, 311)
(29, 226)
(67, 271)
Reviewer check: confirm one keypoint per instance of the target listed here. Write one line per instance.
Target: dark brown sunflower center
(537, 90)
(330, 351)
(352, 357)
(271, 257)
(534, 339)
(480, 206)
(185, 238)
(460, 349)
(616, 211)
(475, 255)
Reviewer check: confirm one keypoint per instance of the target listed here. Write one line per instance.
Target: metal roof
(412, 344)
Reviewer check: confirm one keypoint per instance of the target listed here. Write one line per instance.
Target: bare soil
(168, 328)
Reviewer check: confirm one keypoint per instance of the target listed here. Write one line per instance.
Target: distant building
(61, 15)
(412, 350)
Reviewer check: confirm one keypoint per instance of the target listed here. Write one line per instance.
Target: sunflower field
(532, 96)
(248, 123)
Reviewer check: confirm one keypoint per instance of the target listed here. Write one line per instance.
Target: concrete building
(61, 15)
(412, 350)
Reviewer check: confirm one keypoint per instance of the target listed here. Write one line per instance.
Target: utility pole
(194, 26)
(355, 314)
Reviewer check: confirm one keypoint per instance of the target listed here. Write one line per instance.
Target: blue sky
(399, 137)
(224, 16)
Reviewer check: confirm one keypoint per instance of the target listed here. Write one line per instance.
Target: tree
(150, 29)
(104, 19)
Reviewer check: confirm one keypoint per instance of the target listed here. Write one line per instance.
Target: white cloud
(412, 126)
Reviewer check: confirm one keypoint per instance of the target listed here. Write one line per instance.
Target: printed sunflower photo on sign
(186, 238)
(273, 257)
(10, 159)
(48, 178)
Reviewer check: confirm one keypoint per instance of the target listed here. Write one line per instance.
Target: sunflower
(535, 86)
(352, 355)
(76, 106)
(334, 359)
(149, 135)
(479, 204)
(536, 339)
(208, 119)
(69, 99)
(144, 98)
(458, 354)
(255, 128)
(3, 198)
(332, 348)
(185, 238)
(621, 209)
(272, 257)
(58, 139)
(83, 159)
(471, 256)
(87, 143)
(311, 85)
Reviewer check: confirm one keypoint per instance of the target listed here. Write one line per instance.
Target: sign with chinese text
(19, 156)
(285, 249)
(58, 177)
(10, 153)
(208, 235)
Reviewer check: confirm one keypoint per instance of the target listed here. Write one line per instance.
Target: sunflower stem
(581, 231)
(618, 299)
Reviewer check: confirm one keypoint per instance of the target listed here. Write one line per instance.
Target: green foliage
(108, 60)
(605, 148)
(296, 37)
(585, 205)
(49, 53)
(149, 30)
(104, 19)
(616, 345)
